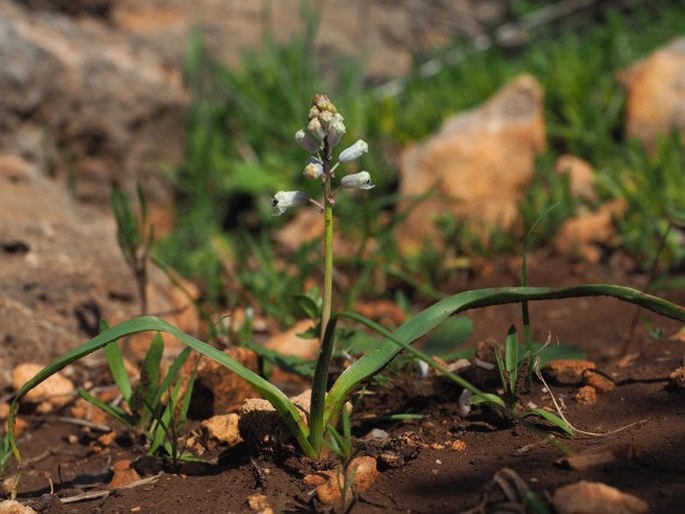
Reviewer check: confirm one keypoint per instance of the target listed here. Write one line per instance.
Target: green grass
(241, 150)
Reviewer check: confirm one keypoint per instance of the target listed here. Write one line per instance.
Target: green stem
(328, 261)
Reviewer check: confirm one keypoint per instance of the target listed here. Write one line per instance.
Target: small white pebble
(438, 461)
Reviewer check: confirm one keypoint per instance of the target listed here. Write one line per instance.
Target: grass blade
(511, 358)
(115, 361)
(284, 407)
(431, 317)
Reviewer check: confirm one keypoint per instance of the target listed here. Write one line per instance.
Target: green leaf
(552, 418)
(283, 405)
(428, 319)
(118, 414)
(488, 398)
(552, 352)
(142, 403)
(511, 358)
(448, 336)
(115, 361)
(306, 307)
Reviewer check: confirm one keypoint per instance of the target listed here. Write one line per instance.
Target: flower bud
(307, 141)
(316, 129)
(336, 131)
(313, 112)
(313, 170)
(361, 180)
(354, 152)
(286, 199)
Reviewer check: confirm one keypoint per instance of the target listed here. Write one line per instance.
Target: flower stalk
(324, 130)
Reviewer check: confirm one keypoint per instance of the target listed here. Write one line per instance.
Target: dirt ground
(433, 472)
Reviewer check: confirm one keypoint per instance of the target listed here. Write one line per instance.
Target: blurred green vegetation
(241, 150)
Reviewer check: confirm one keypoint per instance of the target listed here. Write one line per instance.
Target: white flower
(313, 169)
(361, 180)
(306, 141)
(354, 152)
(286, 199)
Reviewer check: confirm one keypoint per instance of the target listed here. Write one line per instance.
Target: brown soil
(428, 475)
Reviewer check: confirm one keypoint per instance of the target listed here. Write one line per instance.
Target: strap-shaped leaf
(428, 319)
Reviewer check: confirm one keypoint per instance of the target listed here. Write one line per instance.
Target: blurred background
(480, 117)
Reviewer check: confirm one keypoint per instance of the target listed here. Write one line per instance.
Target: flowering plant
(323, 133)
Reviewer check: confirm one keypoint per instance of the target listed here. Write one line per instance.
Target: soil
(429, 472)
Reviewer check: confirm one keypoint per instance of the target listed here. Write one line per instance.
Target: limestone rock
(289, 343)
(580, 236)
(480, 161)
(263, 429)
(568, 371)
(596, 498)
(223, 428)
(385, 35)
(61, 270)
(14, 507)
(580, 173)
(57, 390)
(124, 474)
(365, 472)
(656, 97)
(87, 104)
(218, 390)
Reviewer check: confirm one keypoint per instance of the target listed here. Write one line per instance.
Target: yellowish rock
(596, 498)
(365, 474)
(14, 507)
(479, 165)
(224, 428)
(57, 389)
(259, 503)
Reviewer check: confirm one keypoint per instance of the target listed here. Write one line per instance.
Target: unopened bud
(336, 131)
(313, 170)
(361, 180)
(316, 129)
(307, 141)
(354, 152)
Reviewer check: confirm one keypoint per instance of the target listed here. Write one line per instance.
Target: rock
(259, 503)
(655, 103)
(568, 371)
(582, 235)
(596, 498)
(580, 173)
(599, 382)
(386, 36)
(586, 395)
(57, 389)
(289, 343)
(224, 428)
(595, 457)
(480, 162)
(4, 411)
(14, 507)
(124, 474)
(84, 102)
(83, 409)
(217, 389)
(364, 473)
(676, 380)
(62, 270)
(458, 446)
(263, 429)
